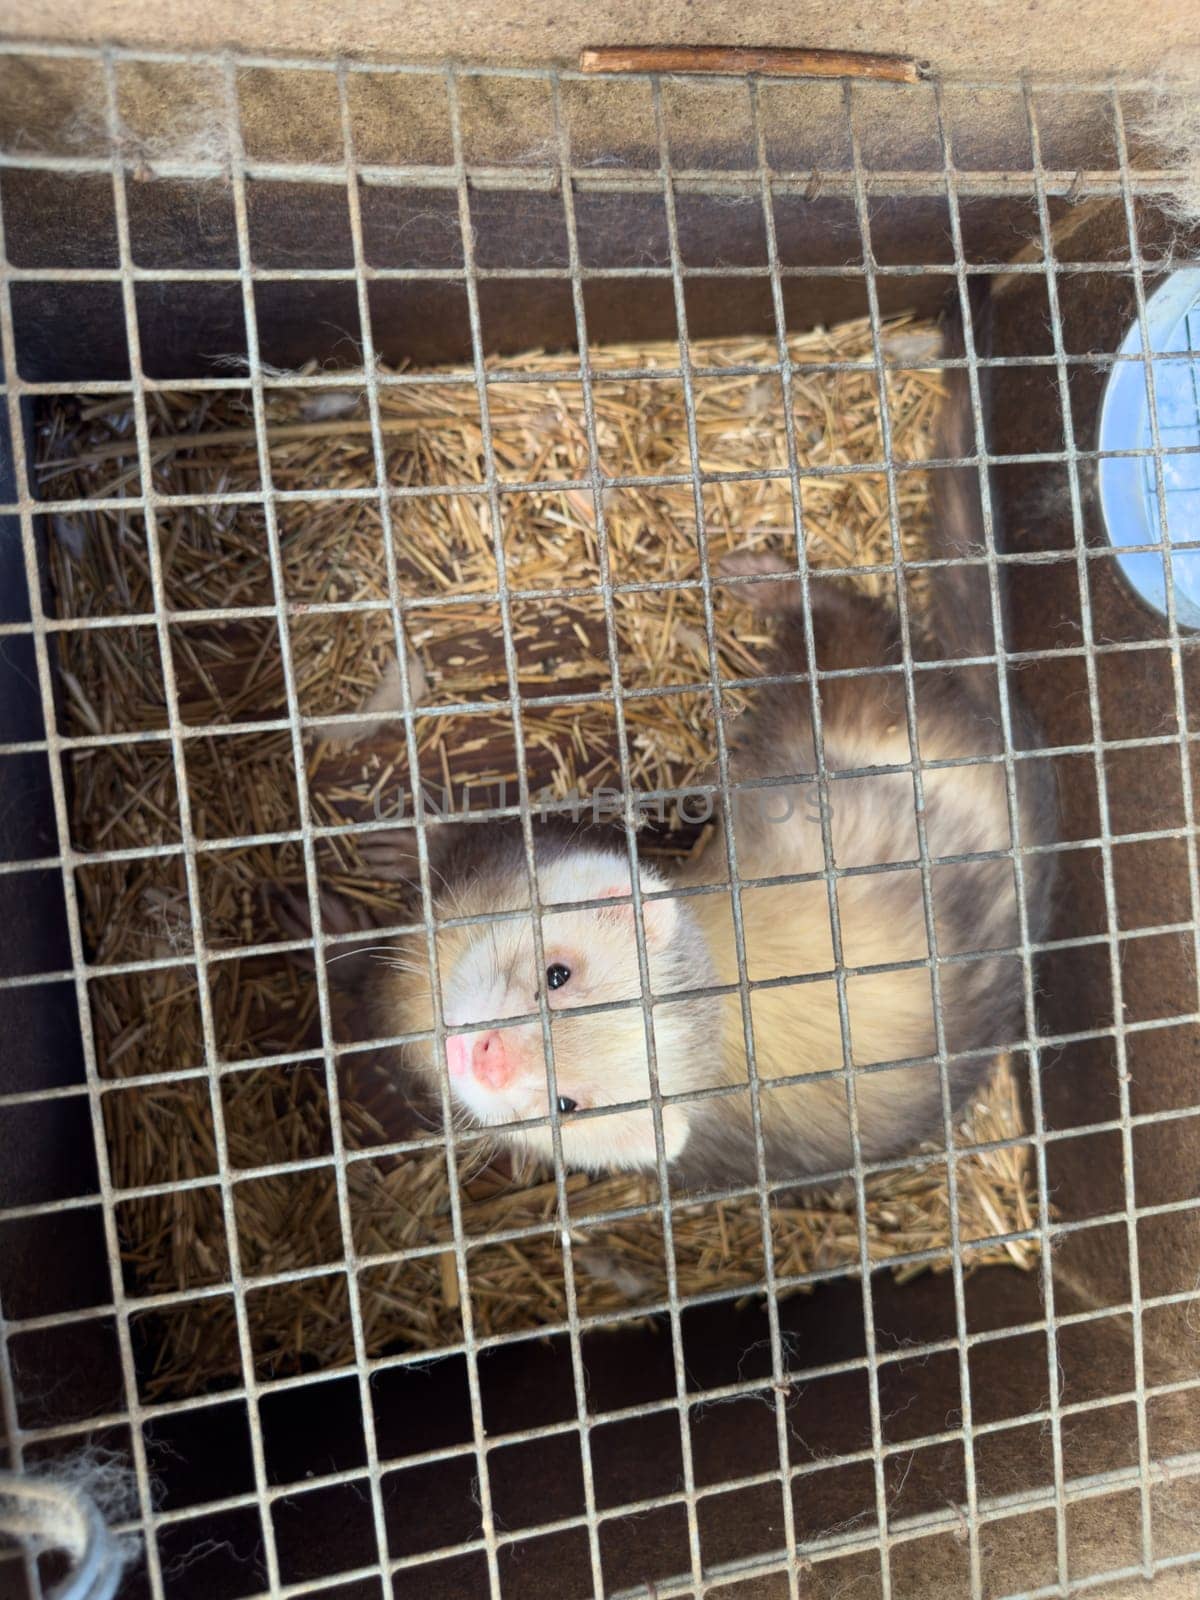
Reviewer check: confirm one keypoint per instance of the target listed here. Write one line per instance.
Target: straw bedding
(231, 672)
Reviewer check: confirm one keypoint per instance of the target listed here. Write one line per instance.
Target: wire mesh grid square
(542, 152)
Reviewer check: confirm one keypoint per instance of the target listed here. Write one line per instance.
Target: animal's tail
(960, 603)
(960, 610)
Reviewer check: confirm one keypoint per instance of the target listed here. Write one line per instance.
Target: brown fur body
(797, 1027)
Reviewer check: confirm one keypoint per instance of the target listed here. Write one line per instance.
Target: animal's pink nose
(489, 1061)
(458, 1053)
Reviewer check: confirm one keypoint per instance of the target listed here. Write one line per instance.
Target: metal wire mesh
(880, 1533)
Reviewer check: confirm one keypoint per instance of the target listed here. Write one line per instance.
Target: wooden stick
(773, 63)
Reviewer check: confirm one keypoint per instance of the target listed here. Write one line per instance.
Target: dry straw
(228, 673)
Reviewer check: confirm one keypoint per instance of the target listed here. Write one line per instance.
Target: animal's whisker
(358, 950)
(393, 956)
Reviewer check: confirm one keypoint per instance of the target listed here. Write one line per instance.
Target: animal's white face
(499, 1073)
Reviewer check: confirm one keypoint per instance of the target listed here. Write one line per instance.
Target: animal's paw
(387, 697)
(782, 594)
(288, 907)
(389, 855)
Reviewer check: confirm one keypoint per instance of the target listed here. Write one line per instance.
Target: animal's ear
(659, 917)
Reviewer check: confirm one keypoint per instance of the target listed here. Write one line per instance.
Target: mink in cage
(619, 1091)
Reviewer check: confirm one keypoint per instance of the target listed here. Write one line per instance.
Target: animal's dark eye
(565, 1105)
(557, 975)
